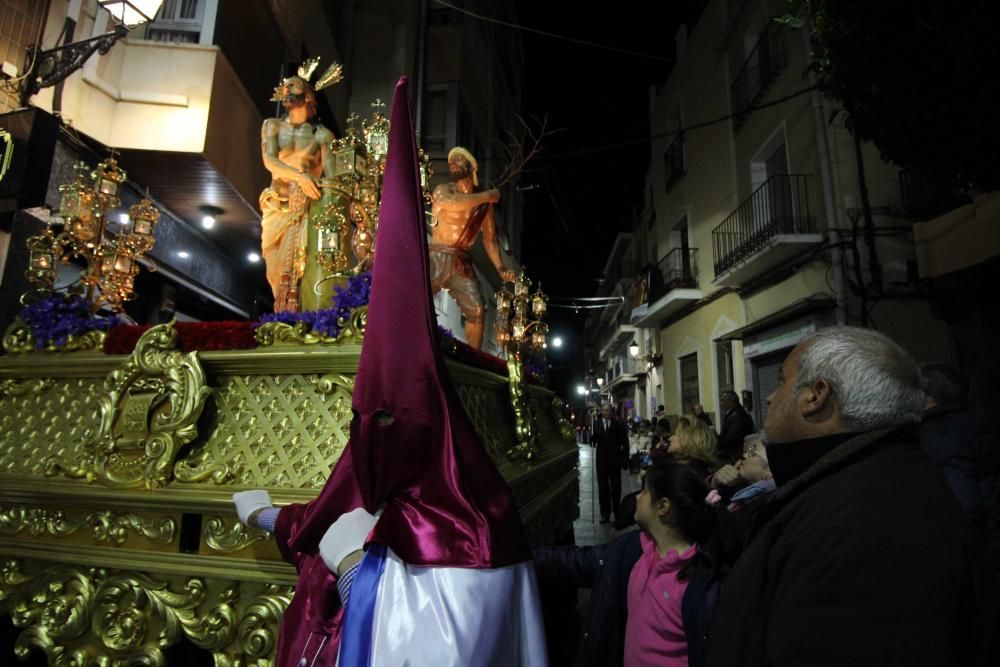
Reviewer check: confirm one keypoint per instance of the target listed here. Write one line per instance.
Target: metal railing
(924, 197)
(779, 206)
(677, 269)
(673, 159)
(760, 69)
(622, 367)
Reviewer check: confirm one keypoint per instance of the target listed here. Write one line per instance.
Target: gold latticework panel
(548, 430)
(489, 410)
(277, 431)
(53, 421)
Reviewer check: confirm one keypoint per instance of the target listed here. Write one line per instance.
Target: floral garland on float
(57, 322)
(342, 322)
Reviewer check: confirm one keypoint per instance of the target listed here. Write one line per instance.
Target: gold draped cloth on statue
(284, 224)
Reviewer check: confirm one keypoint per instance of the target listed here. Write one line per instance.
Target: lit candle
(123, 264)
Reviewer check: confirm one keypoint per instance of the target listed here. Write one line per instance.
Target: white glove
(345, 536)
(248, 502)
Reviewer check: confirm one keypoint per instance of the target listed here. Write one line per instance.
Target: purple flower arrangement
(535, 368)
(345, 299)
(57, 316)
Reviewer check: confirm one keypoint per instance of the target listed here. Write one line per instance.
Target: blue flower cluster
(346, 298)
(535, 367)
(56, 317)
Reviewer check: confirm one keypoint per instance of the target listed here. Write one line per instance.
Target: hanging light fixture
(130, 13)
(633, 349)
(54, 65)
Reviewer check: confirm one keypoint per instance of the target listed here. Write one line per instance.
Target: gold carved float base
(118, 538)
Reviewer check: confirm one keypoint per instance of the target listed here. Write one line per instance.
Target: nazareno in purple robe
(444, 502)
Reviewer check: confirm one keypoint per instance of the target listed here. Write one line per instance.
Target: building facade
(763, 222)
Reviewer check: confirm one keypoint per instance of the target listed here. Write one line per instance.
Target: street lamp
(581, 390)
(600, 382)
(53, 65)
(557, 341)
(633, 349)
(131, 14)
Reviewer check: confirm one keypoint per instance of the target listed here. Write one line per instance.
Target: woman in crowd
(695, 442)
(653, 590)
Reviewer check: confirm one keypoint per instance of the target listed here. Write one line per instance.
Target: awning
(816, 303)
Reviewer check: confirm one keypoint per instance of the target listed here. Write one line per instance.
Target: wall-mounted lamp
(53, 65)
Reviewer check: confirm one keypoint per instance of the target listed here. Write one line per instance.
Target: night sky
(589, 179)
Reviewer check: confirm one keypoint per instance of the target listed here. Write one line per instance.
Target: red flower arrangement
(191, 336)
(238, 335)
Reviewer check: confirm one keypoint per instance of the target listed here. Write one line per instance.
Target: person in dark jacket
(607, 569)
(964, 447)
(699, 411)
(736, 425)
(862, 555)
(611, 440)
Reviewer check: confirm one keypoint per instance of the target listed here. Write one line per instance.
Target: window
(434, 132)
(179, 21)
(673, 159)
(673, 156)
(690, 389)
(765, 380)
(724, 365)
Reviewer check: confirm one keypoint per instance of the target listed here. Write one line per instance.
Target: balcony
(623, 371)
(184, 124)
(771, 226)
(617, 336)
(761, 68)
(623, 289)
(961, 238)
(924, 198)
(673, 285)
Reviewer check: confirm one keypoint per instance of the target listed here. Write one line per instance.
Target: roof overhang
(812, 304)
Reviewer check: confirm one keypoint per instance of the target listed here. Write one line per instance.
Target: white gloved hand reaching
(250, 502)
(345, 536)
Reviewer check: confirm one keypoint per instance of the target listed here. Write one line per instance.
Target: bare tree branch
(522, 145)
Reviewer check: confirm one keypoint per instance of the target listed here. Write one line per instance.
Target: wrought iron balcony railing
(779, 206)
(923, 197)
(759, 71)
(677, 269)
(622, 367)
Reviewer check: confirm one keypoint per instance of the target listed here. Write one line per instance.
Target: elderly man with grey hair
(862, 555)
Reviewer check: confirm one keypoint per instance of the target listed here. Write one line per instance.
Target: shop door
(765, 381)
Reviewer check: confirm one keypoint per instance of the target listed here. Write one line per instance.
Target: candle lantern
(376, 131)
(517, 330)
(143, 218)
(521, 286)
(123, 263)
(107, 178)
(350, 160)
(538, 304)
(518, 323)
(41, 260)
(503, 299)
(110, 264)
(538, 338)
(329, 239)
(85, 229)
